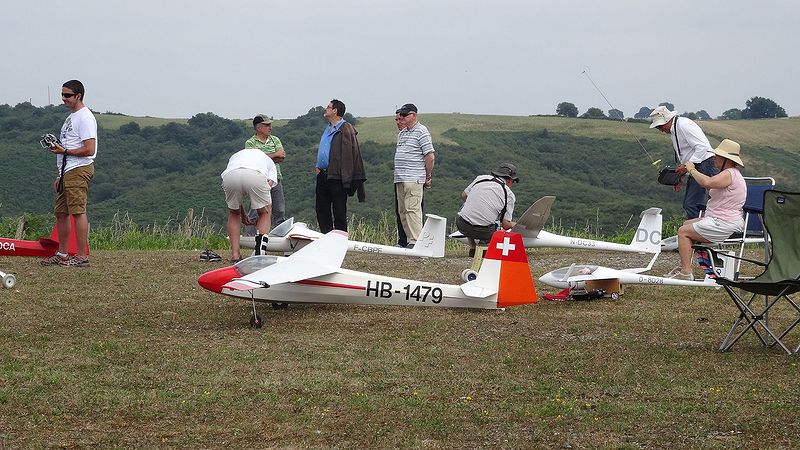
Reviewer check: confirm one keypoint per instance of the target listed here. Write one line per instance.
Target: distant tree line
(755, 108)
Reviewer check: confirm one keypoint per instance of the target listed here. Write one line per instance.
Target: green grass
(132, 353)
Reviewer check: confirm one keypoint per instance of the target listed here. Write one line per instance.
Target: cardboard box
(607, 285)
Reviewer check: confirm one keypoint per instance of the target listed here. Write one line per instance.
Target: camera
(49, 141)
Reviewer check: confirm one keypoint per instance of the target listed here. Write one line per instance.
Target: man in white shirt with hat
(690, 145)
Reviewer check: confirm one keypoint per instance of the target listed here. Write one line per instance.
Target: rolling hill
(155, 169)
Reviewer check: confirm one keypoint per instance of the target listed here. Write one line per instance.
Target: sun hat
(660, 116)
(506, 170)
(729, 149)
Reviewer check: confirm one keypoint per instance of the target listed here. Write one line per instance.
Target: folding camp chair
(753, 229)
(779, 280)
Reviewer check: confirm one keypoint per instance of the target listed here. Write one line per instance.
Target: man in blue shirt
(340, 169)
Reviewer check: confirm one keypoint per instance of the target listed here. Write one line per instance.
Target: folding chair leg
(753, 319)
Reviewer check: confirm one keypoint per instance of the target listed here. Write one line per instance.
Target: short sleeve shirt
(485, 200)
(271, 146)
(78, 127)
(409, 157)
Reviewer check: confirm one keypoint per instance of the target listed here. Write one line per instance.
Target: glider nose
(214, 280)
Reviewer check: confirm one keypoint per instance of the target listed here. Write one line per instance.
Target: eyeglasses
(404, 114)
(68, 95)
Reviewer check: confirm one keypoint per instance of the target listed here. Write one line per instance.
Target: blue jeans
(696, 197)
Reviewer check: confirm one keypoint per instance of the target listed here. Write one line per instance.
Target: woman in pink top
(727, 193)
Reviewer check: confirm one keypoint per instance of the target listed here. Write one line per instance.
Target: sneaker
(677, 274)
(54, 260)
(210, 256)
(75, 261)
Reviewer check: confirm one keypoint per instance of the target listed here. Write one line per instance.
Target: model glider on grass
(647, 238)
(290, 236)
(314, 275)
(576, 277)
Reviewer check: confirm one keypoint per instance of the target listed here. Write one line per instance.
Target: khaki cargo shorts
(72, 200)
(240, 182)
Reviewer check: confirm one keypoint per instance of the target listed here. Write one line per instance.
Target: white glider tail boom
(289, 237)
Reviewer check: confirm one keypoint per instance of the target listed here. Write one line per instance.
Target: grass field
(114, 121)
(772, 132)
(132, 353)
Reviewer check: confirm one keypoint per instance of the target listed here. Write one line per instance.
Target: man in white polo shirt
(413, 169)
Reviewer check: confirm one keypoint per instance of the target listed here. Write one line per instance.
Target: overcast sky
(176, 58)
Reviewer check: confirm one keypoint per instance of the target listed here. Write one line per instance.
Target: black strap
(505, 192)
(60, 187)
(677, 143)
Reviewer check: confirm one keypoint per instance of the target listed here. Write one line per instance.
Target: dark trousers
(402, 239)
(696, 196)
(331, 204)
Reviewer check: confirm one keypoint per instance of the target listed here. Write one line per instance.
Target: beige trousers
(409, 208)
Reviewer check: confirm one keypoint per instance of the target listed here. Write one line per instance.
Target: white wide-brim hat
(729, 149)
(660, 116)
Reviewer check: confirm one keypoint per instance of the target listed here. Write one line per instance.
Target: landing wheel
(279, 305)
(256, 321)
(9, 281)
(469, 275)
(615, 296)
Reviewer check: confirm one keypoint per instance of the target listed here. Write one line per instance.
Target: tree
(616, 114)
(762, 108)
(567, 109)
(731, 114)
(689, 115)
(703, 115)
(644, 113)
(669, 105)
(594, 113)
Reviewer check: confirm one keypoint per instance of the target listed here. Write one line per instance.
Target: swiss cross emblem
(506, 246)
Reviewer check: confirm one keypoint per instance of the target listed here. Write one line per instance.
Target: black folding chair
(779, 280)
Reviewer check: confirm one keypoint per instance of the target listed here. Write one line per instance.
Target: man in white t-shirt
(249, 172)
(75, 164)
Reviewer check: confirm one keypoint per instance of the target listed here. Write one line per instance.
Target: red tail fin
(516, 285)
(72, 243)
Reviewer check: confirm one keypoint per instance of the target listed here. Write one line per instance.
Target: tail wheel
(256, 321)
(615, 296)
(469, 275)
(9, 281)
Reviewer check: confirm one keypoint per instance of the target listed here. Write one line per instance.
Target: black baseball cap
(407, 108)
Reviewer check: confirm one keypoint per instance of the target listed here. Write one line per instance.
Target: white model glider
(290, 236)
(314, 275)
(576, 276)
(647, 238)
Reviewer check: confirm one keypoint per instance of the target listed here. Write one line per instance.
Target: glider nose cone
(214, 280)
(550, 280)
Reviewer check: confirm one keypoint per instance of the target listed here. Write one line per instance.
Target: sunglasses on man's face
(403, 114)
(67, 95)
